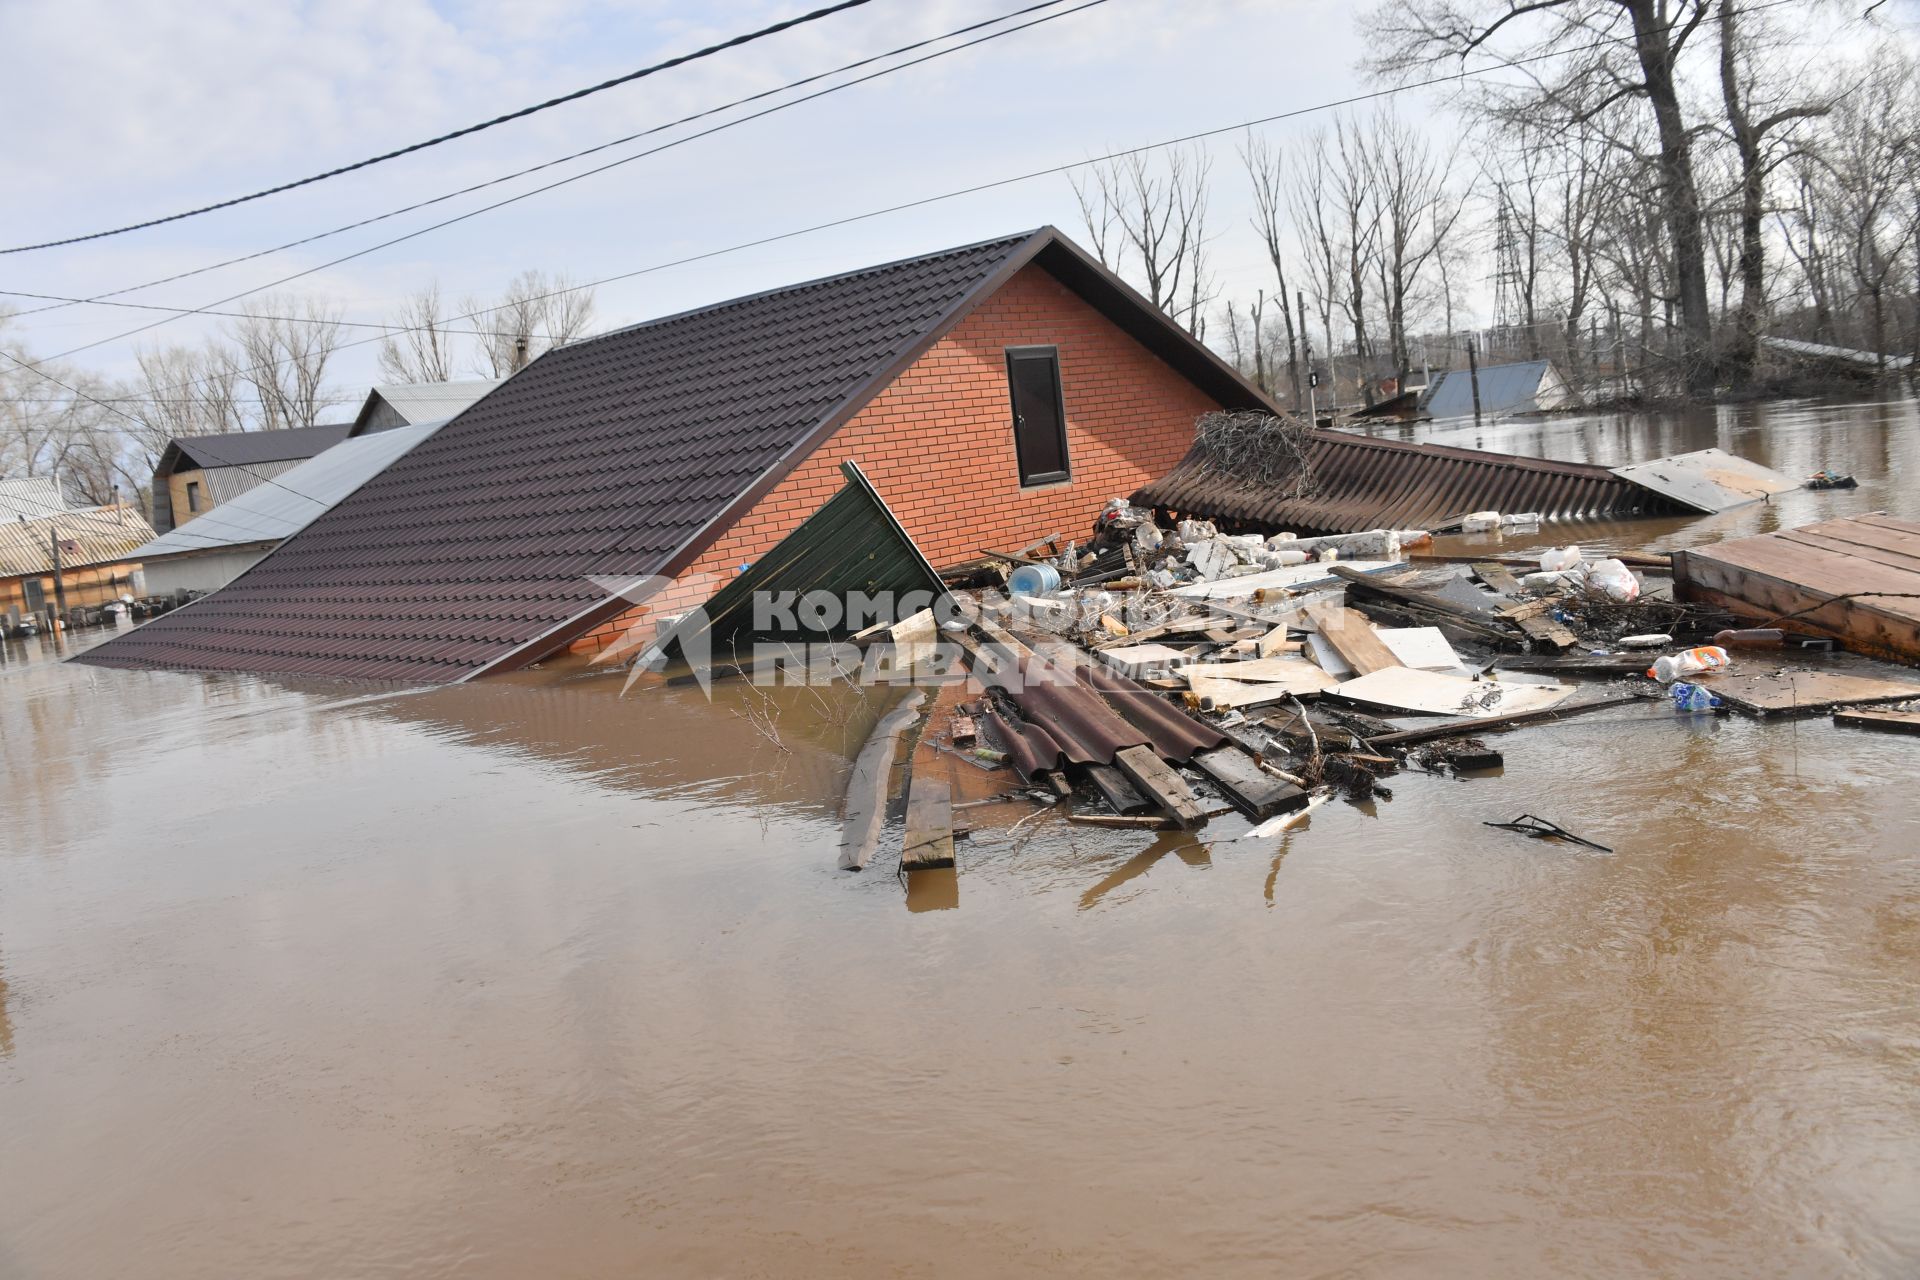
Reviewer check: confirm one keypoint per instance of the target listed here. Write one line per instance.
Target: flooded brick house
(994, 393)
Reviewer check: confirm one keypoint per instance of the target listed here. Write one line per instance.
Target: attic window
(193, 495)
(1039, 414)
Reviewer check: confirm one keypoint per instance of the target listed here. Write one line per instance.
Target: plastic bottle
(1752, 638)
(1689, 662)
(1557, 559)
(1692, 697)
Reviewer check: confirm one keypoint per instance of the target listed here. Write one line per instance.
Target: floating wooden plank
(1856, 580)
(1214, 694)
(1707, 480)
(1287, 670)
(866, 801)
(1545, 631)
(1352, 637)
(1885, 719)
(1616, 664)
(1492, 724)
(1497, 576)
(1136, 821)
(1116, 790)
(1151, 776)
(1250, 788)
(929, 840)
(1432, 693)
(1773, 693)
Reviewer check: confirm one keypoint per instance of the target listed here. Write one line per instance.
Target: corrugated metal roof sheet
(246, 448)
(271, 512)
(1075, 710)
(102, 534)
(621, 456)
(32, 497)
(418, 402)
(1504, 388)
(1360, 483)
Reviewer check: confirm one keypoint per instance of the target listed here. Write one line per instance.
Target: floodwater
(526, 979)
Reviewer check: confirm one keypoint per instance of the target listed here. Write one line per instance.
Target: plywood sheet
(1250, 693)
(1708, 480)
(1422, 647)
(1279, 668)
(1801, 692)
(1436, 694)
(1292, 576)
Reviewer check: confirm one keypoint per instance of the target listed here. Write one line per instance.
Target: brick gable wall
(938, 443)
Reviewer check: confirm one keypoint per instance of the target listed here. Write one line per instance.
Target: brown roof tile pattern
(602, 458)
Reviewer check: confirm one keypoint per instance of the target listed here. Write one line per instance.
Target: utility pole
(1473, 374)
(59, 578)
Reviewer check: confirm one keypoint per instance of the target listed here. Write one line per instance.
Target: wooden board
(929, 840)
(1544, 630)
(1275, 642)
(1154, 780)
(1773, 693)
(1296, 575)
(1497, 576)
(1286, 670)
(1885, 719)
(1707, 480)
(868, 784)
(1432, 693)
(1252, 789)
(1612, 664)
(1864, 625)
(1352, 637)
(1224, 695)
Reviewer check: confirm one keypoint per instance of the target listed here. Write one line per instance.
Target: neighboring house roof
(412, 402)
(90, 536)
(249, 448)
(1840, 355)
(272, 512)
(626, 454)
(1504, 388)
(32, 497)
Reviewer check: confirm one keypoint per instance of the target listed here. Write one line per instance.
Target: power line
(522, 113)
(100, 301)
(561, 182)
(994, 184)
(62, 303)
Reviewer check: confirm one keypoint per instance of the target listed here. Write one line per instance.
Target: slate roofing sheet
(248, 448)
(92, 535)
(1361, 483)
(602, 457)
(32, 497)
(269, 512)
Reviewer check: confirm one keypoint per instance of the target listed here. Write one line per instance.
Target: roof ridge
(1016, 238)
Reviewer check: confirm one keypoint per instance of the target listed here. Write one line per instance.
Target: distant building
(209, 553)
(405, 404)
(1529, 386)
(30, 497)
(95, 548)
(198, 473)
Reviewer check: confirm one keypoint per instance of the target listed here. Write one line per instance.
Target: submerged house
(991, 393)
(217, 548)
(94, 546)
(1529, 386)
(197, 473)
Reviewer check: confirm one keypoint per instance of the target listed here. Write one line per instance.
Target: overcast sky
(126, 111)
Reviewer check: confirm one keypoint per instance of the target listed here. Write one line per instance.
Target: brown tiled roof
(623, 455)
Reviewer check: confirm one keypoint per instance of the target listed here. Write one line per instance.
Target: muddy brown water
(522, 980)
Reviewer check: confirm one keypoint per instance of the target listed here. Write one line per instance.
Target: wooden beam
(1154, 780)
(929, 839)
(1240, 778)
(1353, 638)
(1499, 577)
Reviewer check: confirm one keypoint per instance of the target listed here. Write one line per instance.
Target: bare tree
(1415, 214)
(1147, 219)
(283, 355)
(421, 347)
(1266, 172)
(533, 315)
(1613, 51)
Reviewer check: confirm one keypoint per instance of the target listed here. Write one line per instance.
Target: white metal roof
(272, 512)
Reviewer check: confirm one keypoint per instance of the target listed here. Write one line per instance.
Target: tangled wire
(1256, 450)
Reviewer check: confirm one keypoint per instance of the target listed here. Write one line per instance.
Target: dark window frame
(193, 497)
(1038, 479)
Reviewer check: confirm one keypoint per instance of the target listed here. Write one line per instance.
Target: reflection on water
(533, 979)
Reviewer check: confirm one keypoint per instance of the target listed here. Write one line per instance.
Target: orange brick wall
(938, 442)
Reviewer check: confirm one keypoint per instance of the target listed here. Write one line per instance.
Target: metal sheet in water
(1707, 480)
